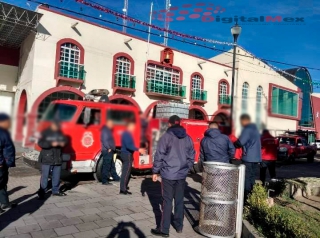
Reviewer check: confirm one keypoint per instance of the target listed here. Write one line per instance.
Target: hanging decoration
(128, 18)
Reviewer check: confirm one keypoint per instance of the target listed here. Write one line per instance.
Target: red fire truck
(81, 122)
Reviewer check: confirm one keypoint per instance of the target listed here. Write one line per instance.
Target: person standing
(173, 159)
(250, 143)
(127, 149)
(108, 148)
(7, 160)
(144, 127)
(269, 151)
(51, 143)
(215, 146)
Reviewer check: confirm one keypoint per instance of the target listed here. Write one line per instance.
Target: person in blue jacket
(215, 146)
(250, 142)
(127, 149)
(7, 160)
(173, 159)
(108, 148)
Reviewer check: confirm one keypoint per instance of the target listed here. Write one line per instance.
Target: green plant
(277, 221)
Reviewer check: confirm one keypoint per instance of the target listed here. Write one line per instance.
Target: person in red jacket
(238, 154)
(269, 150)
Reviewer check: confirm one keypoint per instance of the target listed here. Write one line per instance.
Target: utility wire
(172, 38)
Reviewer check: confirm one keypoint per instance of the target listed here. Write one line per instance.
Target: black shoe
(9, 205)
(1, 211)
(157, 232)
(125, 193)
(107, 183)
(60, 194)
(179, 231)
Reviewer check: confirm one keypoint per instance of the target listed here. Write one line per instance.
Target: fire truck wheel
(98, 175)
(118, 164)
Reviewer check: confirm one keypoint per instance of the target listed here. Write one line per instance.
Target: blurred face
(244, 122)
(131, 127)
(109, 124)
(54, 127)
(5, 124)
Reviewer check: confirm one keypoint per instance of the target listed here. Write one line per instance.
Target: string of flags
(136, 21)
(175, 33)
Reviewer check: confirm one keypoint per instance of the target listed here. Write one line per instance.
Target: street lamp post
(235, 31)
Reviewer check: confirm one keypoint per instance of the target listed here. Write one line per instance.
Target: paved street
(93, 210)
(90, 210)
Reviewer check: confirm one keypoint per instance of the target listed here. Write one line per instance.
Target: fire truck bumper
(86, 166)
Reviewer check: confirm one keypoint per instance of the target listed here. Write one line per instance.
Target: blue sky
(296, 44)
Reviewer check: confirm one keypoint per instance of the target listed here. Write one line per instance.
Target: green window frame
(284, 102)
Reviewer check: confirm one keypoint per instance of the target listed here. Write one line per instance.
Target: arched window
(197, 92)
(258, 105)
(223, 93)
(70, 66)
(245, 93)
(164, 80)
(123, 77)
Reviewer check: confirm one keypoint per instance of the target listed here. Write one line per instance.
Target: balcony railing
(71, 71)
(165, 88)
(124, 81)
(224, 99)
(199, 95)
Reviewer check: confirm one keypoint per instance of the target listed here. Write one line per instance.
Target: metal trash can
(221, 200)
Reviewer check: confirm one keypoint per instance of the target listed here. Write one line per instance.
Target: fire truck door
(86, 138)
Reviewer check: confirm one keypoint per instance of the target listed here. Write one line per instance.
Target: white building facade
(69, 57)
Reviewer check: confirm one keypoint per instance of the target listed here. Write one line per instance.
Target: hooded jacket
(175, 153)
(250, 143)
(50, 155)
(7, 149)
(216, 147)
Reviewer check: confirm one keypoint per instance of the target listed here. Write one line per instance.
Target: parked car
(318, 144)
(292, 147)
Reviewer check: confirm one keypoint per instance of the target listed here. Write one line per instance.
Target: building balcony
(199, 95)
(224, 99)
(165, 89)
(71, 72)
(124, 82)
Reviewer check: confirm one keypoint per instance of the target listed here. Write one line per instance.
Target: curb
(248, 231)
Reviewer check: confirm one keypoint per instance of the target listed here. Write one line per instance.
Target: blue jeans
(45, 172)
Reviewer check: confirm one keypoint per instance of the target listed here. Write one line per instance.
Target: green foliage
(277, 221)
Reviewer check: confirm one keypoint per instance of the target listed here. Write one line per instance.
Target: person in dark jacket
(250, 143)
(7, 160)
(51, 142)
(173, 159)
(127, 149)
(215, 146)
(108, 148)
(269, 151)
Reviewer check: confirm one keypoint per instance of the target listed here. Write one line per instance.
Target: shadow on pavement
(153, 190)
(122, 231)
(192, 206)
(27, 204)
(16, 189)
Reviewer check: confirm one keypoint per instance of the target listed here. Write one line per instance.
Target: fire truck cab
(81, 122)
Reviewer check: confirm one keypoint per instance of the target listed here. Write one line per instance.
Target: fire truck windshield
(61, 112)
